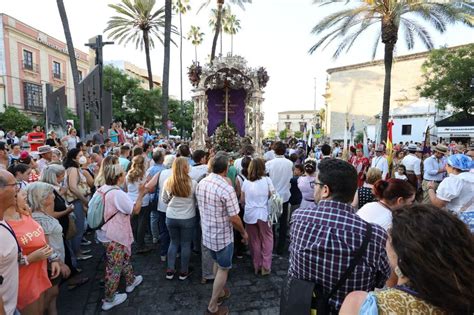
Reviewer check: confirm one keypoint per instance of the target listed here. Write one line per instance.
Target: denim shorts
(223, 257)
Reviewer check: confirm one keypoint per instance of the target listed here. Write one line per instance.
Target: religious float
(228, 98)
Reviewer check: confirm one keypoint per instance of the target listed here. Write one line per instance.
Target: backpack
(275, 206)
(95, 213)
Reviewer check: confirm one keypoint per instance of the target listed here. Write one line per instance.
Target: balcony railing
(33, 108)
(33, 67)
(59, 76)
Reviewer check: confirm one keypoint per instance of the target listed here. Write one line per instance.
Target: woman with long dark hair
(432, 253)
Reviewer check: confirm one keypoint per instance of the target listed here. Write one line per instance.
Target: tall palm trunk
(389, 38)
(218, 28)
(181, 71)
(388, 60)
(231, 44)
(146, 41)
(72, 59)
(166, 67)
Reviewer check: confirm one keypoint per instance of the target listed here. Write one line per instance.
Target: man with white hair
(380, 161)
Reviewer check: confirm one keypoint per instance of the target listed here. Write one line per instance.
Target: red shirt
(361, 165)
(36, 136)
(140, 131)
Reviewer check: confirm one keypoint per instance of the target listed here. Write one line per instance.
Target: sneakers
(163, 258)
(118, 299)
(136, 283)
(170, 274)
(84, 257)
(85, 242)
(184, 275)
(85, 251)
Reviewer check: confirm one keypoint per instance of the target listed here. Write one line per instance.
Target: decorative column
(200, 121)
(257, 134)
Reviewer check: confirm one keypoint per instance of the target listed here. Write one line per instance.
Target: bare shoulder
(353, 302)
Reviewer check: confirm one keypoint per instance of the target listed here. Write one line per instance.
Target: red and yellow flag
(389, 142)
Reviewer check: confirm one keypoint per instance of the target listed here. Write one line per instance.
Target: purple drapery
(216, 109)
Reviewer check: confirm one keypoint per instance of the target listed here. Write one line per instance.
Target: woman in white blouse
(179, 195)
(255, 192)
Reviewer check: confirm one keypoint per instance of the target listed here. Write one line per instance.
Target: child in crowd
(295, 198)
(401, 172)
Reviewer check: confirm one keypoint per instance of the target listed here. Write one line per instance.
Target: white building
(295, 120)
(410, 121)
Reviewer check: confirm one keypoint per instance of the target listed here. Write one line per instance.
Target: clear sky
(275, 34)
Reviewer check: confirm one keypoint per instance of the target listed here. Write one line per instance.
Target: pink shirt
(118, 229)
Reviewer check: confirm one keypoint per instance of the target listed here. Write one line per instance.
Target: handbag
(307, 297)
(82, 186)
(275, 206)
(153, 205)
(72, 228)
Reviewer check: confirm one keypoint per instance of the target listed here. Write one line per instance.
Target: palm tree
(196, 37)
(217, 30)
(138, 22)
(181, 7)
(231, 27)
(166, 67)
(72, 59)
(391, 15)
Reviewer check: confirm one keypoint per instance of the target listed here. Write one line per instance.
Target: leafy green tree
(448, 74)
(218, 28)
(298, 135)
(131, 103)
(196, 37)
(138, 22)
(183, 120)
(359, 137)
(13, 119)
(271, 134)
(389, 16)
(231, 27)
(283, 134)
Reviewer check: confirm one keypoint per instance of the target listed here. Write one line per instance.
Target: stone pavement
(250, 294)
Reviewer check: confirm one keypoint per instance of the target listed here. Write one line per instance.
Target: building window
(33, 96)
(288, 125)
(56, 70)
(302, 125)
(287, 116)
(406, 130)
(27, 60)
(79, 72)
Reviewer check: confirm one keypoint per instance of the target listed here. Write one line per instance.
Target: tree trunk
(217, 31)
(166, 68)
(72, 59)
(388, 59)
(181, 71)
(196, 53)
(231, 44)
(148, 61)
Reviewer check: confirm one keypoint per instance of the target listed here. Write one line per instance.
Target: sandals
(226, 295)
(78, 283)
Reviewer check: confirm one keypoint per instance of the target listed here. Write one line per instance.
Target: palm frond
(419, 31)
(336, 18)
(378, 39)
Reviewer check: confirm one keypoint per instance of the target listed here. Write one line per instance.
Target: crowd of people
(362, 229)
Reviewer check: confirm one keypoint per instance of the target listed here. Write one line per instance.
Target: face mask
(82, 160)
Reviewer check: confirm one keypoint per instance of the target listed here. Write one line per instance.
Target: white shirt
(180, 207)
(412, 163)
(198, 172)
(163, 177)
(381, 163)
(72, 142)
(8, 269)
(270, 155)
(402, 177)
(256, 199)
(375, 212)
(132, 191)
(431, 166)
(238, 165)
(53, 230)
(458, 191)
(280, 171)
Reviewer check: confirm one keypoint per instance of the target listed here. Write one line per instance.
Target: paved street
(156, 295)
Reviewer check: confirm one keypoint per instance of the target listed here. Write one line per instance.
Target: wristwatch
(54, 257)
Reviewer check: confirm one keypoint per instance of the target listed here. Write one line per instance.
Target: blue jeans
(223, 257)
(154, 217)
(80, 217)
(181, 234)
(164, 234)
